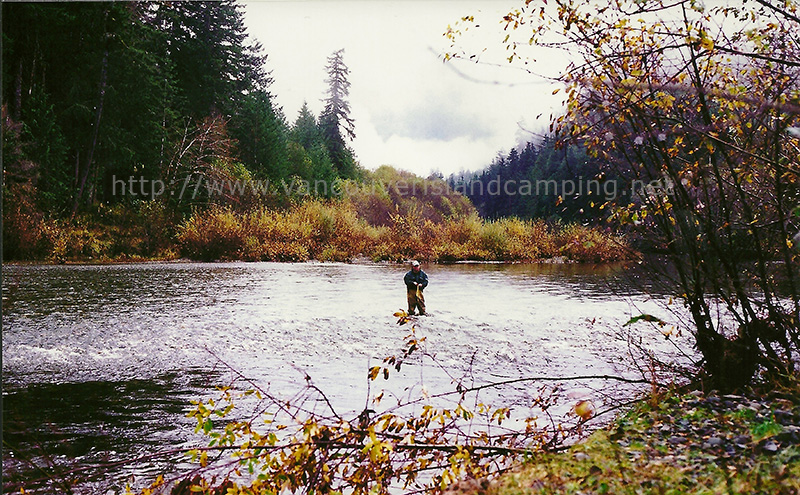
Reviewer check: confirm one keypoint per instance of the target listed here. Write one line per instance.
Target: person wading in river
(416, 280)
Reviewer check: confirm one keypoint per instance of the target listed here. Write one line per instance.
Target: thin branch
(783, 61)
(549, 379)
(782, 12)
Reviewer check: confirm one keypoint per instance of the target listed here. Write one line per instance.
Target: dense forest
(128, 124)
(152, 90)
(546, 179)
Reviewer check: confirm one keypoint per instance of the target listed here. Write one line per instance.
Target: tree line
(544, 178)
(124, 120)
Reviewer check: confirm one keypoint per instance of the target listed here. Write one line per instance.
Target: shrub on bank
(327, 231)
(25, 232)
(408, 236)
(333, 231)
(337, 232)
(119, 233)
(676, 444)
(508, 239)
(212, 235)
(590, 245)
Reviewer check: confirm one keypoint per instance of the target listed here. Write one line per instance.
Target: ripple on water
(128, 345)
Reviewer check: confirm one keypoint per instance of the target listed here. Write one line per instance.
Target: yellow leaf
(373, 372)
(584, 409)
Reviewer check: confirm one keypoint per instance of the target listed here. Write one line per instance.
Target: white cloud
(433, 115)
(411, 109)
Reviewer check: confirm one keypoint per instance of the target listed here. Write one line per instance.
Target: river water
(100, 363)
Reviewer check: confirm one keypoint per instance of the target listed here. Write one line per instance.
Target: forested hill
(155, 91)
(541, 179)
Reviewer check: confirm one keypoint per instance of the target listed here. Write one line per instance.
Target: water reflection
(53, 429)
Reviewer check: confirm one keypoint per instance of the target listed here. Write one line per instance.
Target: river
(100, 362)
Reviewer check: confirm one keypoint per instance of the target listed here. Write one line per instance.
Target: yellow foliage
(333, 231)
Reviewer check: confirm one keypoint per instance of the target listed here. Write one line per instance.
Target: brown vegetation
(332, 231)
(325, 230)
(392, 215)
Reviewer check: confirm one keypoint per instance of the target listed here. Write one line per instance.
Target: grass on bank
(333, 231)
(673, 447)
(325, 230)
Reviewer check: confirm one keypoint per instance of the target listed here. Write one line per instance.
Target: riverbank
(313, 230)
(692, 443)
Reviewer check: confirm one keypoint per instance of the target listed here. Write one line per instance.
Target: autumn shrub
(212, 234)
(470, 238)
(459, 240)
(408, 236)
(116, 233)
(449, 252)
(24, 228)
(345, 228)
(291, 251)
(528, 240)
(541, 235)
(493, 239)
(74, 241)
(508, 239)
(328, 231)
(587, 244)
(275, 236)
(370, 201)
(338, 234)
(158, 228)
(144, 229)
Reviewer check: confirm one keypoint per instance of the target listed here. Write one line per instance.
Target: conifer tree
(335, 122)
(305, 130)
(214, 63)
(260, 131)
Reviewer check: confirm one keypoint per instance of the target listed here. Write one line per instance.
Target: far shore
(557, 260)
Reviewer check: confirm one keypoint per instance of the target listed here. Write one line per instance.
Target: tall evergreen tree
(74, 75)
(110, 90)
(309, 155)
(335, 122)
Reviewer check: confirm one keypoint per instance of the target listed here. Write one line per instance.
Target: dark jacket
(420, 277)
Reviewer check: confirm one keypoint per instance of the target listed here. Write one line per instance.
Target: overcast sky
(411, 109)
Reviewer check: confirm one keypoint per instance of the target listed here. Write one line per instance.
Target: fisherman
(416, 280)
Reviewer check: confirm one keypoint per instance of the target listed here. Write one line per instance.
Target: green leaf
(645, 317)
